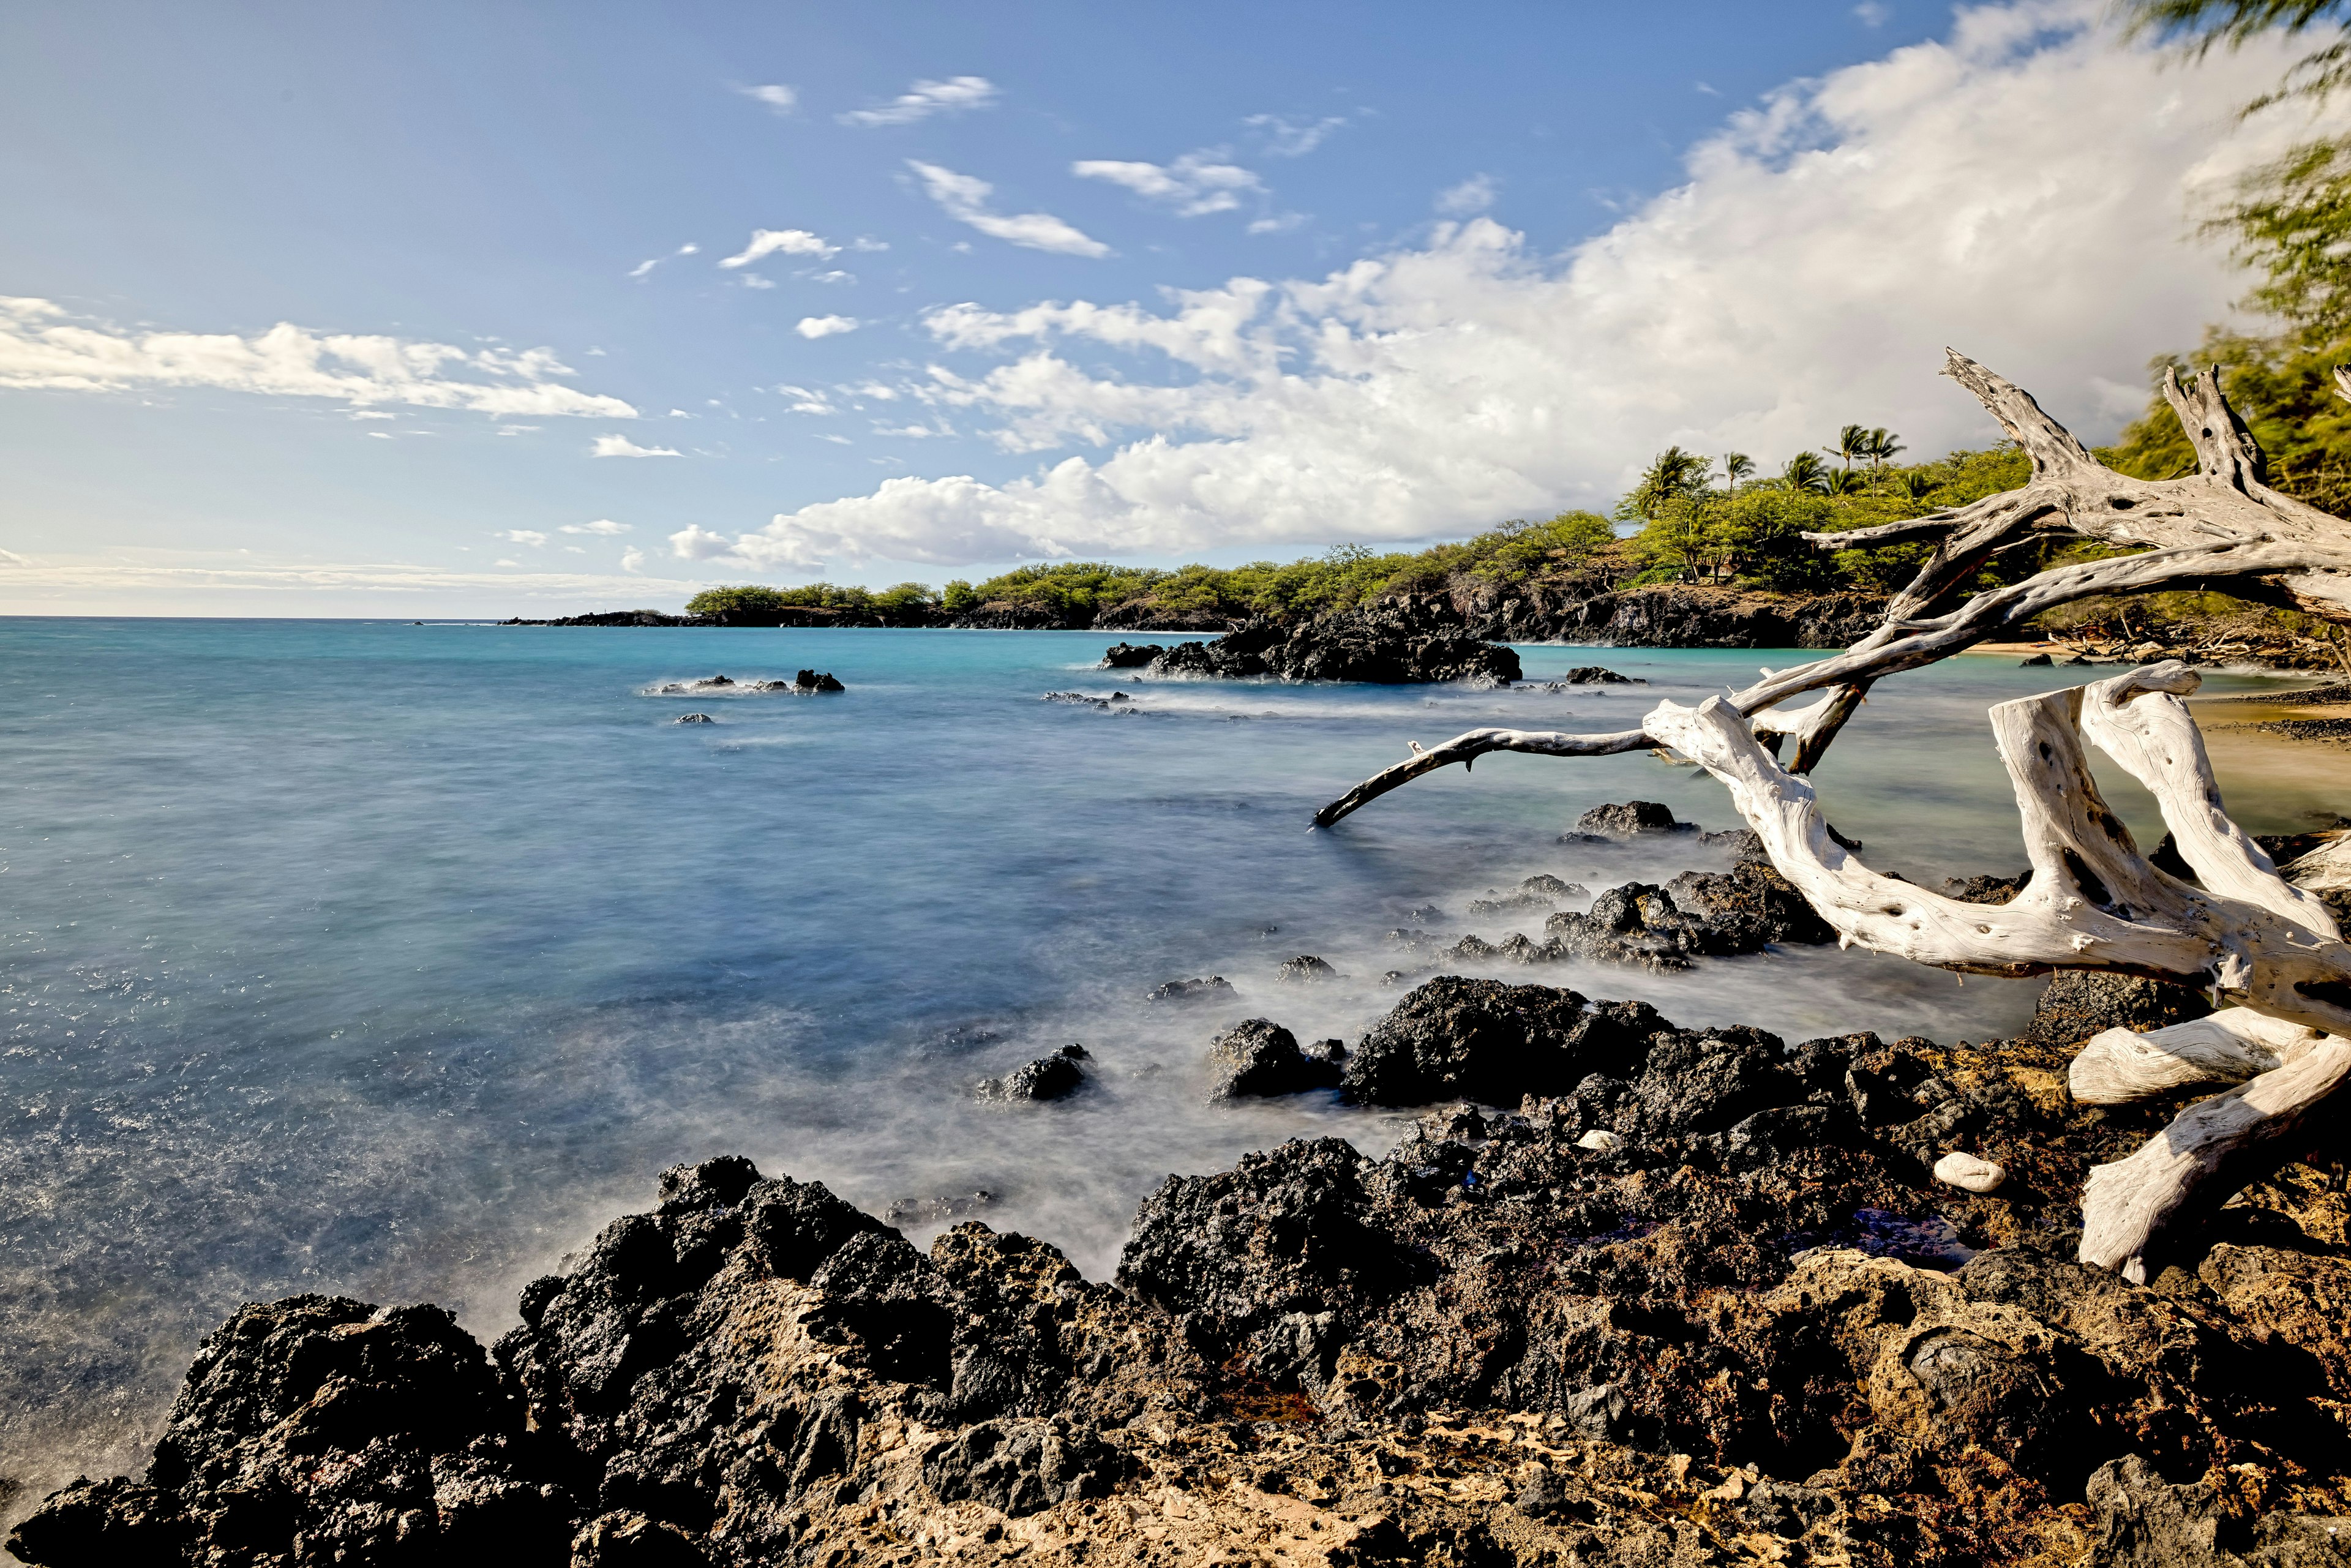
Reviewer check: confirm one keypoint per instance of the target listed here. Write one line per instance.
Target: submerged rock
(1259, 1058)
(1595, 675)
(693, 718)
(1306, 970)
(1629, 820)
(1214, 988)
(1054, 1077)
(811, 681)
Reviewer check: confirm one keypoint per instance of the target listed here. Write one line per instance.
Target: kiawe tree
(2269, 952)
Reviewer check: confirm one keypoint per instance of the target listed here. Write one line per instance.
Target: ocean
(391, 960)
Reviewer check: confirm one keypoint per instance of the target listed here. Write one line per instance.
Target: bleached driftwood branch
(2120, 1066)
(2094, 901)
(2222, 523)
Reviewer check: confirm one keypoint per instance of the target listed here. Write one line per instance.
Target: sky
(435, 310)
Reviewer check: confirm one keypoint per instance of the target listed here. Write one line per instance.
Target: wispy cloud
(1194, 184)
(781, 241)
(775, 94)
(1873, 13)
(644, 268)
(925, 98)
(621, 447)
(1290, 138)
(965, 199)
(826, 325)
(1472, 195)
(600, 525)
(43, 347)
(530, 536)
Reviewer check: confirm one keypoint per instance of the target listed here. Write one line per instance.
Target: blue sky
(1156, 283)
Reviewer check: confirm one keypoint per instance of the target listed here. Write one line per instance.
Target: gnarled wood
(2212, 1149)
(2093, 902)
(2119, 1066)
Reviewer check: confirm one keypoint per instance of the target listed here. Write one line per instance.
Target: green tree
(1737, 467)
(957, 599)
(1882, 449)
(1805, 472)
(2196, 26)
(1852, 441)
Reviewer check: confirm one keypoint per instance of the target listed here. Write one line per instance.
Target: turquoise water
(392, 959)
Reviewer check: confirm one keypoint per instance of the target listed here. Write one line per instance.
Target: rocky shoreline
(1642, 1294)
(1667, 616)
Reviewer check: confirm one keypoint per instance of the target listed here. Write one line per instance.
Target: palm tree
(1880, 450)
(1915, 486)
(1670, 476)
(1805, 472)
(1852, 441)
(1736, 466)
(1844, 482)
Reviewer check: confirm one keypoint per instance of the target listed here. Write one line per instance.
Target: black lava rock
(1054, 1077)
(1261, 1058)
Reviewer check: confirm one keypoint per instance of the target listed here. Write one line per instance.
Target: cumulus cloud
(1293, 138)
(1194, 184)
(2020, 189)
(775, 94)
(530, 536)
(621, 447)
(633, 559)
(826, 325)
(965, 199)
(600, 525)
(44, 347)
(925, 98)
(781, 241)
(1473, 194)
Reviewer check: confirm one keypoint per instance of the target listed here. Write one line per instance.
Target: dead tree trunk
(2094, 901)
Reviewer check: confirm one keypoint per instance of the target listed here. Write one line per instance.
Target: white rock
(1969, 1172)
(1599, 1140)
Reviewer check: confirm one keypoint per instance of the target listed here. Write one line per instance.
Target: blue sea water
(390, 960)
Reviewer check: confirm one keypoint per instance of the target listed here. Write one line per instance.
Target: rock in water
(695, 719)
(1054, 1077)
(1306, 970)
(1259, 1058)
(1390, 643)
(1214, 988)
(1594, 675)
(808, 682)
(1632, 818)
(1970, 1172)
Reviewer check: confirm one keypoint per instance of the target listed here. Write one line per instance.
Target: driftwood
(2239, 929)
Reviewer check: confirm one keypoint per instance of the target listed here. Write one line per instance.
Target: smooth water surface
(391, 960)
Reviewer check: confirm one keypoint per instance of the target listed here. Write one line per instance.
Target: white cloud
(753, 280)
(530, 536)
(834, 276)
(1194, 184)
(1291, 138)
(786, 242)
(2020, 189)
(503, 562)
(381, 434)
(621, 447)
(965, 199)
(633, 559)
(695, 542)
(1873, 13)
(865, 242)
(775, 94)
(925, 98)
(600, 525)
(1472, 195)
(642, 268)
(826, 325)
(43, 347)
